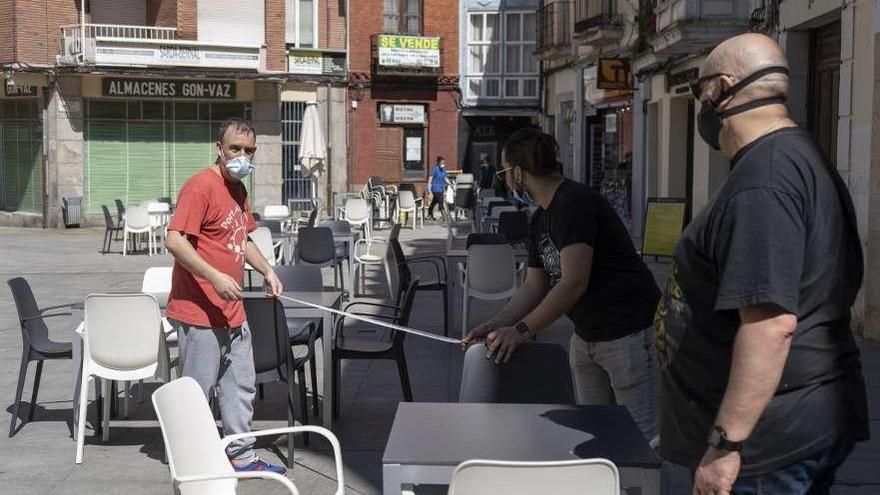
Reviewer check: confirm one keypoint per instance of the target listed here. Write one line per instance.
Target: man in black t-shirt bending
(761, 385)
(581, 263)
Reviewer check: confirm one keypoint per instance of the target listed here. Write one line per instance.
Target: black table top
(449, 433)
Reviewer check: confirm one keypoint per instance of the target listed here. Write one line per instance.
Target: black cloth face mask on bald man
(710, 119)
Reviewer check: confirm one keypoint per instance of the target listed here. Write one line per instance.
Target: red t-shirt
(216, 217)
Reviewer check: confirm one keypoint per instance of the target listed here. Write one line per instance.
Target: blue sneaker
(260, 465)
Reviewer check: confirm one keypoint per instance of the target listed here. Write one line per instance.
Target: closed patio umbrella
(312, 146)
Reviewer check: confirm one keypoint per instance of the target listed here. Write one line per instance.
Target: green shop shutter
(22, 164)
(192, 149)
(147, 162)
(106, 164)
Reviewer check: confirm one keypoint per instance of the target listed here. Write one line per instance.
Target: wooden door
(824, 87)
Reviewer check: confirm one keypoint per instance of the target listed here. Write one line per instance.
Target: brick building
(403, 89)
(120, 99)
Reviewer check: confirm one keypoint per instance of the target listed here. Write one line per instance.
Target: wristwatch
(522, 328)
(718, 439)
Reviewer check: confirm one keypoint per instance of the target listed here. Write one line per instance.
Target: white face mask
(239, 167)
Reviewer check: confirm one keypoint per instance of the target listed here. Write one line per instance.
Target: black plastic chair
(315, 246)
(438, 263)
(120, 216)
(110, 227)
(465, 199)
(273, 357)
(256, 216)
(304, 331)
(36, 344)
(537, 373)
(353, 347)
(484, 238)
(514, 226)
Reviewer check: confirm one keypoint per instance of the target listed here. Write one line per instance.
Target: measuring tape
(367, 319)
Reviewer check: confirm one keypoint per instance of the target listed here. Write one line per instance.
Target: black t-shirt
(622, 295)
(781, 231)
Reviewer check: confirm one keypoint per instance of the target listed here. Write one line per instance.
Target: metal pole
(82, 28)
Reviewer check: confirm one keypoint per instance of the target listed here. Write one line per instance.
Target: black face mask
(710, 120)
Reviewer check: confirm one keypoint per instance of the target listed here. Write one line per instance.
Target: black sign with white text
(18, 90)
(168, 88)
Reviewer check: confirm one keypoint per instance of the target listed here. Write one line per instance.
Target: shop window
(185, 111)
(223, 111)
(403, 17)
(107, 109)
(153, 110)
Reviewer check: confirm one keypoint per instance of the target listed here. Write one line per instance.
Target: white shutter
(128, 12)
(232, 21)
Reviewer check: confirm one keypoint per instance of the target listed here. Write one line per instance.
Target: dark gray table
(428, 440)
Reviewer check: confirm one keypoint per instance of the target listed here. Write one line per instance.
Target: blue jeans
(811, 476)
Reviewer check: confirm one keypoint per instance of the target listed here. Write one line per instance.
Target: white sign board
(413, 149)
(401, 114)
(305, 62)
(124, 52)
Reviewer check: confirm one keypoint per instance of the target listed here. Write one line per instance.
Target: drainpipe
(329, 149)
(44, 114)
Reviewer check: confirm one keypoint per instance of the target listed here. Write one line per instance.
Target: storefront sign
(683, 77)
(663, 223)
(18, 90)
(408, 51)
(316, 62)
(168, 88)
(401, 114)
(185, 54)
(484, 131)
(614, 73)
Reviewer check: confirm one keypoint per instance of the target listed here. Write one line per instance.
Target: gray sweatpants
(618, 372)
(224, 358)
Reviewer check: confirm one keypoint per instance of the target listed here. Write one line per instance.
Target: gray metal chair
(537, 373)
(438, 283)
(315, 246)
(36, 344)
(304, 331)
(111, 229)
(120, 215)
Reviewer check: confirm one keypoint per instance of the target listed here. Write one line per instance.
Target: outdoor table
(428, 440)
(453, 280)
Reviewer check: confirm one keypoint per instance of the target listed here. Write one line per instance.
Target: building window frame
(293, 9)
(478, 80)
(396, 15)
(526, 53)
(495, 84)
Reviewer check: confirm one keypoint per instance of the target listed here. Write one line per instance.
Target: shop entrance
(21, 155)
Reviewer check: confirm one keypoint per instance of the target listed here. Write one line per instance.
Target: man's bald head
(746, 54)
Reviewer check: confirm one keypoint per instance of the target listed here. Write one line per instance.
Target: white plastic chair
(490, 275)
(278, 212)
(575, 477)
(406, 203)
(121, 336)
(357, 214)
(137, 221)
(196, 453)
(496, 215)
(159, 216)
(271, 250)
(157, 281)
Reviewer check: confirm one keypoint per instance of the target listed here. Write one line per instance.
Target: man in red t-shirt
(208, 237)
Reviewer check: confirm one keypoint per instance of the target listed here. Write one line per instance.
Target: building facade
(122, 99)
(500, 76)
(403, 89)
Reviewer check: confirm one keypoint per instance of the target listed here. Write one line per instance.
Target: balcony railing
(592, 13)
(554, 25)
(112, 44)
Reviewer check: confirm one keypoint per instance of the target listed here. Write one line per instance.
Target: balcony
(149, 46)
(596, 22)
(403, 55)
(554, 30)
(690, 26)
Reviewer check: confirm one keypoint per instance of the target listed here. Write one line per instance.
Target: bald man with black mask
(761, 384)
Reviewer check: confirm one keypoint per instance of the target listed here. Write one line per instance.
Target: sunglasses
(697, 85)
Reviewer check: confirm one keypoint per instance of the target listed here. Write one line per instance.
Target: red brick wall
(162, 13)
(31, 43)
(376, 149)
(276, 49)
(6, 40)
(331, 24)
(187, 19)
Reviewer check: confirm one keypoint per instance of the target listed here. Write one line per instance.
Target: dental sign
(408, 51)
(168, 88)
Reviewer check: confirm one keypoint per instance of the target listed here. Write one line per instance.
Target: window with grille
(297, 190)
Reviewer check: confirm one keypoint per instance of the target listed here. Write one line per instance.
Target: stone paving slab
(65, 266)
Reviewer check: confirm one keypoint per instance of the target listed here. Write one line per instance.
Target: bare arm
(184, 253)
(759, 355)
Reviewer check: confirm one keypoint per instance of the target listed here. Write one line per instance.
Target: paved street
(65, 266)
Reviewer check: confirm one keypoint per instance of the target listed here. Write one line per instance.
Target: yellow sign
(409, 42)
(408, 51)
(663, 223)
(614, 73)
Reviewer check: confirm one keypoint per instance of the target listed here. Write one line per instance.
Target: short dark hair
(533, 150)
(240, 126)
(440, 159)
